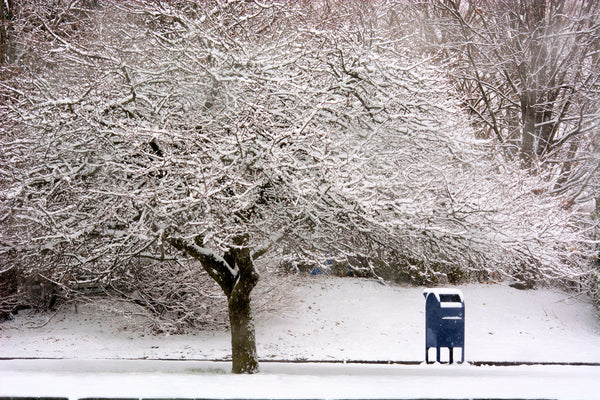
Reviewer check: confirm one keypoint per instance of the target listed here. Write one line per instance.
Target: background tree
(529, 71)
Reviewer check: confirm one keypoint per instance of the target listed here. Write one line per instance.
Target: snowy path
(189, 379)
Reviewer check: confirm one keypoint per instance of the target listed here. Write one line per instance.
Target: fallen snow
(192, 379)
(327, 319)
(335, 319)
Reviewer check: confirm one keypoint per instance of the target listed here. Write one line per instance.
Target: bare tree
(529, 72)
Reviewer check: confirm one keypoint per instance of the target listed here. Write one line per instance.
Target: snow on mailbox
(444, 322)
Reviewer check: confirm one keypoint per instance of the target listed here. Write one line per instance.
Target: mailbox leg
(462, 354)
(451, 355)
(438, 354)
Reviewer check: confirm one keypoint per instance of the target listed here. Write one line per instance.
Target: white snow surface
(153, 379)
(324, 318)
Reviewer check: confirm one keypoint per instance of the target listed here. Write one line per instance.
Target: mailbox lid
(448, 297)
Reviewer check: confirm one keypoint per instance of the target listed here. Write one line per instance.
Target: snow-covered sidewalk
(77, 379)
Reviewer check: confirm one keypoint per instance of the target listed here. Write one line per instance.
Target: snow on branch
(316, 139)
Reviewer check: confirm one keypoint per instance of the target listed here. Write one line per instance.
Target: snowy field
(324, 319)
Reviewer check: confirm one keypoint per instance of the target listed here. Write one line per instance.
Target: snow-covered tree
(222, 131)
(529, 73)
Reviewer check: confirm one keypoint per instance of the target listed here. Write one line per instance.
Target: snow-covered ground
(77, 379)
(325, 318)
(330, 318)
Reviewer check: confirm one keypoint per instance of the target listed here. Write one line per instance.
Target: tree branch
(215, 265)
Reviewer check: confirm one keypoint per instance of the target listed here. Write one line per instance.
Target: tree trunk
(243, 339)
(4, 21)
(528, 136)
(237, 276)
(565, 171)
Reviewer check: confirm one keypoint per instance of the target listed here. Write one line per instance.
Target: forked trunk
(237, 276)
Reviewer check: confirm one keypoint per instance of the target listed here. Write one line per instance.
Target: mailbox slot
(450, 298)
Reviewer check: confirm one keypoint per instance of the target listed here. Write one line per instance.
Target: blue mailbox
(444, 322)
